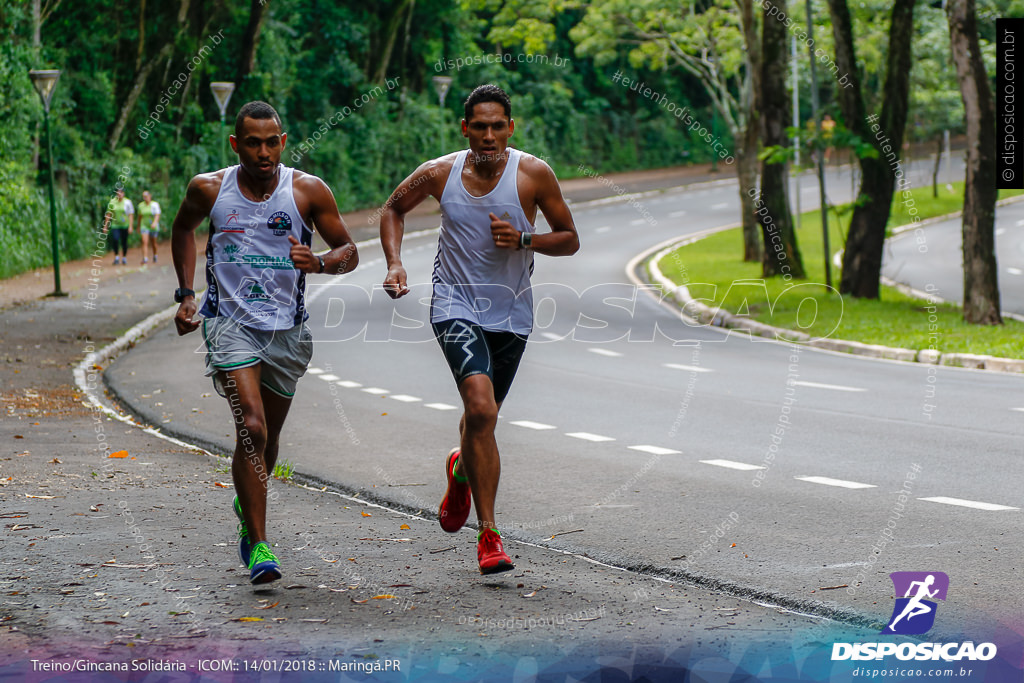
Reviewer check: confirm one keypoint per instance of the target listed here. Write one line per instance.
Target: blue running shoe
(244, 546)
(263, 566)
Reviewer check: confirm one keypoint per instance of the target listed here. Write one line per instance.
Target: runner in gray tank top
(481, 308)
(262, 216)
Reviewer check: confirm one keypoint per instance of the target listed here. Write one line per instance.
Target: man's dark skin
(259, 149)
(488, 131)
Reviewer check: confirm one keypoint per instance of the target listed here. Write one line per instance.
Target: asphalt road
(933, 258)
(742, 464)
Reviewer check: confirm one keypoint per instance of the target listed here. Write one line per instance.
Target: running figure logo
(914, 612)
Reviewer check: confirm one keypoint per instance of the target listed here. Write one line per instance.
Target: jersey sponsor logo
(232, 223)
(280, 223)
(267, 261)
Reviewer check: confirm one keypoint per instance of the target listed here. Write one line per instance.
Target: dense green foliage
(312, 60)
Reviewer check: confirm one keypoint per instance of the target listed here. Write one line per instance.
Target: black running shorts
(472, 350)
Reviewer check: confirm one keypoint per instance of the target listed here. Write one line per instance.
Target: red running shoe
(491, 554)
(454, 509)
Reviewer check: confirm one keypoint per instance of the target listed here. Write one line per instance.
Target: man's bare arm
(563, 239)
(195, 207)
(425, 181)
(323, 211)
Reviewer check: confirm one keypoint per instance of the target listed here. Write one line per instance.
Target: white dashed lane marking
(605, 352)
(723, 205)
(440, 406)
(1015, 271)
(732, 465)
(991, 507)
(314, 371)
(833, 387)
(604, 228)
(828, 481)
(654, 450)
(677, 214)
(528, 424)
(587, 436)
(405, 398)
(688, 368)
(348, 384)
(329, 378)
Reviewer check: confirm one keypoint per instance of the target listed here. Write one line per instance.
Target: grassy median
(713, 272)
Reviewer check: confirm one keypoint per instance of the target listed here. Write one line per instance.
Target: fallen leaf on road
(530, 594)
(404, 527)
(221, 485)
(384, 596)
(832, 588)
(56, 461)
(315, 621)
(366, 514)
(118, 454)
(269, 606)
(248, 619)
(29, 495)
(563, 533)
(359, 602)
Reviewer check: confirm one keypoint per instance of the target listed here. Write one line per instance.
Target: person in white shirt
(149, 225)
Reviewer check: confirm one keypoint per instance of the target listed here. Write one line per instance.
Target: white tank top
(250, 276)
(473, 279)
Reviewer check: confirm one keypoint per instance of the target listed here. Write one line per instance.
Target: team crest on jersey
(280, 223)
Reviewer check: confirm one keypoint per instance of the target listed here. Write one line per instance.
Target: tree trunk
(142, 74)
(251, 38)
(781, 254)
(746, 157)
(981, 283)
(862, 256)
(935, 171)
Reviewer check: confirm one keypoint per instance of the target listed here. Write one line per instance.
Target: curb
(716, 317)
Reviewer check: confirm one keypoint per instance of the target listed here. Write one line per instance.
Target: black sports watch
(181, 292)
(525, 239)
(323, 266)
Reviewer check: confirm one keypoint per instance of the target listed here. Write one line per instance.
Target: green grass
(284, 470)
(712, 271)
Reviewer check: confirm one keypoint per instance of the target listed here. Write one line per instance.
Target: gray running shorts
(282, 354)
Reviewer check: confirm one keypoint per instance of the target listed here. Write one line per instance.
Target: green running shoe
(263, 565)
(244, 545)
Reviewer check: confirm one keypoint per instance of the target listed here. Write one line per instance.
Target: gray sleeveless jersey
(473, 279)
(251, 277)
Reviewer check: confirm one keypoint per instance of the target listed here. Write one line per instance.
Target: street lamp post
(441, 85)
(222, 93)
(45, 81)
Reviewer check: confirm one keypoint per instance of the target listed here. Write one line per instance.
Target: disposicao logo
(914, 614)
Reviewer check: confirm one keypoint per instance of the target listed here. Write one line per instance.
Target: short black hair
(487, 93)
(256, 110)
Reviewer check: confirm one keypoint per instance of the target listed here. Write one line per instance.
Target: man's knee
(481, 410)
(252, 432)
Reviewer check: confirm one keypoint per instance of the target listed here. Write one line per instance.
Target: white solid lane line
(440, 406)
(587, 436)
(348, 384)
(733, 465)
(828, 481)
(992, 507)
(834, 387)
(688, 368)
(531, 425)
(605, 352)
(329, 378)
(405, 398)
(654, 450)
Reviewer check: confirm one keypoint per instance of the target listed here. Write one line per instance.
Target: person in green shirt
(119, 218)
(149, 225)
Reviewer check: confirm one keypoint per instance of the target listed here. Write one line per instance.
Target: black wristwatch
(181, 292)
(525, 239)
(323, 265)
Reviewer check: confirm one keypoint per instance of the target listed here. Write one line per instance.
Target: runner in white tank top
(257, 258)
(481, 309)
